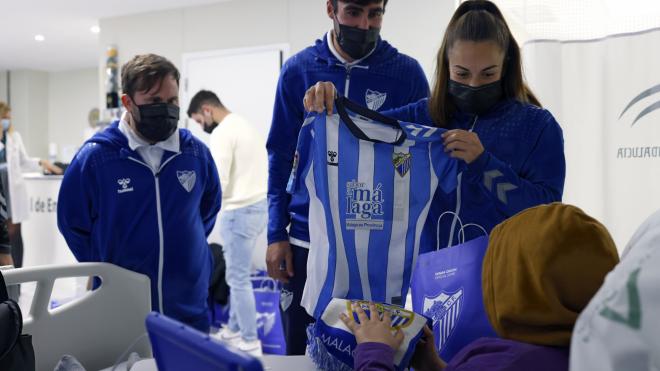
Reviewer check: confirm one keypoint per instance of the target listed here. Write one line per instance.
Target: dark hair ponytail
(478, 21)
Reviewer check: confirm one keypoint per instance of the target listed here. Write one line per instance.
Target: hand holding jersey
(368, 70)
(320, 97)
(461, 144)
(370, 181)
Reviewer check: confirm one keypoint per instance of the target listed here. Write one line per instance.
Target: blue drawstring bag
(330, 344)
(269, 318)
(446, 288)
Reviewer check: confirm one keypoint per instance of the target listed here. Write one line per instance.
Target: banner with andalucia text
(605, 93)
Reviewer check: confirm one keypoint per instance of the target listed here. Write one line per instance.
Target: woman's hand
(372, 329)
(320, 97)
(463, 144)
(50, 168)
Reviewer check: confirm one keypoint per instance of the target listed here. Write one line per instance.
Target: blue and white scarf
(331, 345)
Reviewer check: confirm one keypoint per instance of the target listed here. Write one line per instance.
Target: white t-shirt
(239, 151)
(620, 328)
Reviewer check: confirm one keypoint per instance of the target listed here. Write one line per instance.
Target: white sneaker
(228, 336)
(252, 348)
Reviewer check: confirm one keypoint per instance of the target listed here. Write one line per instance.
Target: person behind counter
(14, 161)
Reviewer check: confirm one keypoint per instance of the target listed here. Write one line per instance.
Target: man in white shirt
(240, 155)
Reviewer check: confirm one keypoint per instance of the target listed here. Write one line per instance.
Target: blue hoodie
(113, 208)
(384, 80)
(523, 165)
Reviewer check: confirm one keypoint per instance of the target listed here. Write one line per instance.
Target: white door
(245, 80)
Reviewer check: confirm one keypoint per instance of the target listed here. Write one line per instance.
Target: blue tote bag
(269, 317)
(446, 287)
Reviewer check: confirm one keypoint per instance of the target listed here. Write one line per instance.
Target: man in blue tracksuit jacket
(367, 70)
(144, 195)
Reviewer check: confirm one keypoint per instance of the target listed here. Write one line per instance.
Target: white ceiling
(579, 19)
(69, 43)
(65, 24)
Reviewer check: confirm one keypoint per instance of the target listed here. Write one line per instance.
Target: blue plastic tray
(177, 347)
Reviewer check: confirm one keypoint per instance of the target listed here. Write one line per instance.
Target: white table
(271, 363)
(43, 243)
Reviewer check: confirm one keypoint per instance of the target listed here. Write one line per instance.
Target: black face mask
(157, 121)
(209, 128)
(475, 100)
(355, 41)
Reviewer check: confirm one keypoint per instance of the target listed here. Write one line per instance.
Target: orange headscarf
(542, 267)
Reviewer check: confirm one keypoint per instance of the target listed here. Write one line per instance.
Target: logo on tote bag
(444, 309)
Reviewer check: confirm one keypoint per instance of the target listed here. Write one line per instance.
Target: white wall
(416, 28)
(51, 107)
(413, 26)
(72, 94)
(29, 109)
(3, 86)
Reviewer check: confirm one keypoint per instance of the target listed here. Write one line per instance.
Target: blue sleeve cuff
(475, 169)
(277, 236)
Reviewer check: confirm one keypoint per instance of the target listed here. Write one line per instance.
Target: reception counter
(42, 241)
(44, 244)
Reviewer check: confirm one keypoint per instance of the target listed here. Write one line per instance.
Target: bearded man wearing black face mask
(365, 69)
(144, 195)
(510, 150)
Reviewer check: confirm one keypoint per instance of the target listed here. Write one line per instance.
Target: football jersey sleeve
(445, 168)
(303, 155)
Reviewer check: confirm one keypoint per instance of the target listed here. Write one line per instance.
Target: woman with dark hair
(510, 149)
(14, 160)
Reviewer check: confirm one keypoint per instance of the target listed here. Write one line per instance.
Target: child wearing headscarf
(541, 269)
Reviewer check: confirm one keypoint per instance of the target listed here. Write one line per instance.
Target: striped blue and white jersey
(370, 181)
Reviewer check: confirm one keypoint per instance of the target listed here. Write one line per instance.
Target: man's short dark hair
(358, 2)
(145, 71)
(201, 98)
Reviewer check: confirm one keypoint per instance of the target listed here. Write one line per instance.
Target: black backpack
(218, 288)
(16, 351)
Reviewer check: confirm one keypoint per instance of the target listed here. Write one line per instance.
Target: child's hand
(426, 355)
(373, 330)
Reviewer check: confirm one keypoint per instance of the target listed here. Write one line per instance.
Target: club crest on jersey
(401, 318)
(365, 205)
(444, 310)
(375, 99)
(401, 162)
(187, 179)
